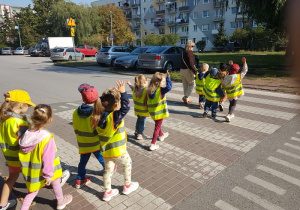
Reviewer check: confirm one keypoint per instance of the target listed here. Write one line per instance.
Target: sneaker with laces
(228, 117)
(154, 147)
(214, 116)
(204, 114)
(139, 137)
(81, 183)
(10, 203)
(133, 186)
(67, 199)
(162, 138)
(108, 196)
(65, 176)
(201, 105)
(221, 108)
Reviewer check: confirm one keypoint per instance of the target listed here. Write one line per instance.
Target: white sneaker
(154, 147)
(162, 138)
(65, 176)
(139, 137)
(133, 187)
(11, 203)
(108, 197)
(228, 117)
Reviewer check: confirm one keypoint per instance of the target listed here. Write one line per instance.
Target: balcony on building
(184, 9)
(172, 10)
(138, 36)
(219, 18)
(137, 4)
(182, 21)
(128, 16)
(160, 12)
(214, 31)
(160, 1)
(136, 16)
(161, 33)
(159, 23)
(219, 3)
(137, 26)
(126, 5)
(171, 23)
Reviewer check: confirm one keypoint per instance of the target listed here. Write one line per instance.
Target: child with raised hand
(200, 82)
(107, 119)
(157, 105)
(140, 103)
(233, 86)
(223, 71)
(13, 124)
(39, 160)
(87, 137)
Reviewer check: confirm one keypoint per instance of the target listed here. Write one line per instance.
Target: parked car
(107, 55)
(7, 51)
(21, 51)
(87, 50)
(131, 60)
(162, 58)
(66, 54)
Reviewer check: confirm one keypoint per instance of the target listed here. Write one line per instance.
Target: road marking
(292, 146)
(298, 133)
(224, 206)
(266, 184)
(64, 107)
(288, 154)
(284, 163)
(73, 104)
(295, 139)
(279, 174)
(256, 199)
(268, 93)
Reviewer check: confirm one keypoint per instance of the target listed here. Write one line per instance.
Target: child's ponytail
(7, 105)
(97, 111)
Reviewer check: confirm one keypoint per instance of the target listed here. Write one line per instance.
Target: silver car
(107, 55)
(7, 51)
(131, 60)
(66, 54)
(20, 51)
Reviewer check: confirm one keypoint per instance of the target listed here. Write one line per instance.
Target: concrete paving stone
(88, 207)
(132, 200)
(150, 206)
(134, 207)
(165, 196)
(117, 200)
(143, 192)
(146, 200)
(158, 201)
(160, 190)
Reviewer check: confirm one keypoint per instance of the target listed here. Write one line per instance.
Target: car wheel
(82, 57)
(102, 64)
(95, 54)
(169, 67)
(70, 58)
(54, 61)
(112, 63)
(136, 66)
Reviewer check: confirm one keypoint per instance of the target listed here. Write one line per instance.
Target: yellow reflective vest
(140, 108)
(200, 85)
(87, 138)
(236, 89)
(112, 141)
(210, 89)
(157, 107)
(10, 132)
(32, 166)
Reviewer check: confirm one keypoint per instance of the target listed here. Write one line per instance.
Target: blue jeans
(84, 158)
(213, 105)
(202, 98)
(140, 124)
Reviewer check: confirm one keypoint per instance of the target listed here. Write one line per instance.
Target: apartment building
(10, 9)
(190, 19)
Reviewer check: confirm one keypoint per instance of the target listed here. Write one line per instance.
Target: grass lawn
(77, 63)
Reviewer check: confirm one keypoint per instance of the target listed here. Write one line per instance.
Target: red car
(87, 50)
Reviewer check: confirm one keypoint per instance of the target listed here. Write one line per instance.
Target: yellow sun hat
(20, 96)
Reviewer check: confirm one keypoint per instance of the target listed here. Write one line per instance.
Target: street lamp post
(19, 34)
(111, 31)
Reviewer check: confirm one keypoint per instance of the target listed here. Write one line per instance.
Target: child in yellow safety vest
(87, 137)
(13, 124)
(39, 159)
(200, 82)
(108, 114)
(139, 96)
(157, 105)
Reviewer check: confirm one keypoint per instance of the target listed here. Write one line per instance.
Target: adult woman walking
(188, 71)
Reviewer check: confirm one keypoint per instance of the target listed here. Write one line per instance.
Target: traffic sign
(72, 32)
(71, 22)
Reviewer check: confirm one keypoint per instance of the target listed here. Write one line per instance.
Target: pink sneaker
(67, 199)
(133, 187)
(108, 196)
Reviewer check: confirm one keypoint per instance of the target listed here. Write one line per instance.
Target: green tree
(201, 45)
(169, 39)
(242, 37)
(8, 30)
(95, 40)
(221, 40)
(152, 40)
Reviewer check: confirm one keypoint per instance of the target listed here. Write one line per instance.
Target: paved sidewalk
(195, 152)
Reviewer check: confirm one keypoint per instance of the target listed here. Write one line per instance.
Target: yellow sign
(71, 22)
(72, 32)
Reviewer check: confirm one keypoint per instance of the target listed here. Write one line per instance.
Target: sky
(24, 3)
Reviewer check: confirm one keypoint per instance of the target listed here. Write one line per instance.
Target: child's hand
(129, 83)
(168, 74)
(230, 62)
(121, 86)
(244, 60)
(47, 183)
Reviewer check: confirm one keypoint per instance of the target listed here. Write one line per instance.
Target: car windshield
(19, 48)
(104, 49)
(81, 46)
(156, 50)
(6, 48)
(58, 50)
(138, 51)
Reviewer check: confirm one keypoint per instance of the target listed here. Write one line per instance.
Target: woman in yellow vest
(87, 138)
(233, 86)
(39, 159)
(107, 119)
(157, 105)
(200, 82)
(13, 124)
(139, 96)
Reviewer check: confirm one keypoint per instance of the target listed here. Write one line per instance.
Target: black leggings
(232, 106)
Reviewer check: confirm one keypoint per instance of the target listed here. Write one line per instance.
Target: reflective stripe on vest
(139, 107)
(236, 89)
(157, 107)
(210, 89)
(112, 141)
(32, 166)
(87, 138)
(200, 86)
(10, 132)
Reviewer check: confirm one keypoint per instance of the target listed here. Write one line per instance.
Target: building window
(144, 10)
(205, 39)
(144, 0)
(184, 3)
(219, 12)
(205, 1)
(172, 30)
(185, 29)
(216, 26)
(239, 24)
(205, 27)
(195, 15)
(152, 20)
(145, 33)
(196, 2)
(205, 14)
(194, 40)
(232, 25)
(161, 7)
(195, 27)
(152, 9)
(235, 10)
(145, 21)
(183, 41)
(254, 24)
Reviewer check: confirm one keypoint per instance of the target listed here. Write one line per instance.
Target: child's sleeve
(124, 109)
(48, 159)
(131, 87)
(220, 91)
(168, 87)
(244, 71)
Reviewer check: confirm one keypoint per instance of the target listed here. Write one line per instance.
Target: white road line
(284, 163)
(298, 133)
(279, 174)
(268, 93)
(292, 146)
(295, 139)
(73, 104)
(265, 184)
(64, 107)
(288, 154)
(256, 199)
(224, 206)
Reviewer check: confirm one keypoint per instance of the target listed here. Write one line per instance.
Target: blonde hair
(204, 67)
(155, 81)
(139, 81)
(105, 103)
(41, 115)
(189, 44)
